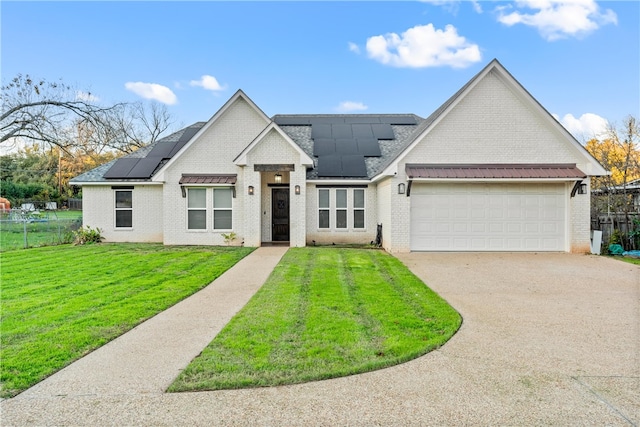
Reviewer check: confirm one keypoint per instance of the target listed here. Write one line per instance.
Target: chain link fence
(29, 228)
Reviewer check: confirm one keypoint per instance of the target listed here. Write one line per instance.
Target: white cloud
(424, 46)
(354, 47)
(153, 91)
(86, 96)
(557, 19)
(584, 128)
(452, 6)
(208, 82)
(349, 106)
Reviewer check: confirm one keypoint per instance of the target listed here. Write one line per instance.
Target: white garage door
(488, 217)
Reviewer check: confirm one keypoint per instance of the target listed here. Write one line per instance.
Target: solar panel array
(341, 143)
(143, 167)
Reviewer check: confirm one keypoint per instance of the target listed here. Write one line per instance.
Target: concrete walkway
(149, 357)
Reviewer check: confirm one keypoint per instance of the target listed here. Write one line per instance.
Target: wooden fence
(607, 223)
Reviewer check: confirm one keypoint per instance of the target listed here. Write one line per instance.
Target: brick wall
(99, 211)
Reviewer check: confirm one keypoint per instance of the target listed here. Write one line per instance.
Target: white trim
(339, 182)
(159, 176)
(116, 209)
(108, 183)
(593, 167)
(241, 159)
(496, 180)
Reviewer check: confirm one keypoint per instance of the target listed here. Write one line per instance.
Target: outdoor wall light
(401, 188)
(297, 190)
(278, 178)
(582, 189)
(251, 190)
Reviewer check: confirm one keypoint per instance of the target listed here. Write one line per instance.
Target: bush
(88, 235)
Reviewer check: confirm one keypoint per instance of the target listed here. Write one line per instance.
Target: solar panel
(346, 146)
(330, 166)
(293, 120)
(186, 136)
(353, 166)
(398, 120)
(145, 167)
(369, 147)
(382, 131)
(339, 131)
(362, 130)
(321, 131)
(121, 168)
(162, 149)
(363, 119)
(328, 120)
(323, 147)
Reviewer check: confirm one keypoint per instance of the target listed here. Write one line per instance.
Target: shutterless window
(222, 213)
(197, 209)
(341, 208)
(358, 208)
(124, 208)
(324, 206)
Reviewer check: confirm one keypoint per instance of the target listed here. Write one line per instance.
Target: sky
(578, 58)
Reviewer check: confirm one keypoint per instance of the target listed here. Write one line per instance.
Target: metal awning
(208, 179)
(557, 171)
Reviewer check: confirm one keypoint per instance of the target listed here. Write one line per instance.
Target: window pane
(222, 220)
(123, 199)
(197, 220)
(358, 219)
(358, 198)
(124, 218)
(324, 198)
(341, 198)
(341, 219)
(222, 198)
(323, 219)
(197, 198)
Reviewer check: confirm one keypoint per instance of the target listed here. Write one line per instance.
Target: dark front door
(280, 214)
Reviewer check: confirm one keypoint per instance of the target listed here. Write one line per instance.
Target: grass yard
(324, 313)
(630, 260)
(53, 228)
(60, 303)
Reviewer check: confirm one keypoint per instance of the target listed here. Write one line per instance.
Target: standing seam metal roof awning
(208, 179)
(566, 171)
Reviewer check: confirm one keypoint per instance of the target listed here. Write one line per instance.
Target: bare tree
(54, 114)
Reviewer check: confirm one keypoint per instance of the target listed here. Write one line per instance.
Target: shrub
(88, 235)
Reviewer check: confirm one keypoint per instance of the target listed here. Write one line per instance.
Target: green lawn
(324, 313)
(51, 228)
(59, 303)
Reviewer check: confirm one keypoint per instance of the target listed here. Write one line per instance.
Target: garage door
(488, 217)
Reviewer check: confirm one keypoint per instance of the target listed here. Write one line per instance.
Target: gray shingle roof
(97, 174)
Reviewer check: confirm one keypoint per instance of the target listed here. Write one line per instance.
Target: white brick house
(490, 170)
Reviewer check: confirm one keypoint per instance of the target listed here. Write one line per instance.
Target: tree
(53, 114)
(619, 152)
(41, 111)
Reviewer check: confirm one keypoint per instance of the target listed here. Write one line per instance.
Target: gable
(274, 147)
(219, 142)
(491, 124)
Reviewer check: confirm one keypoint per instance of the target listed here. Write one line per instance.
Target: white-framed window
(324, 208)
(196, 208)
(358, 208)
(341, 208)
(222, 212)
(124, 208)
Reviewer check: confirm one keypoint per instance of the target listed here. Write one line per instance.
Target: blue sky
(578, 58)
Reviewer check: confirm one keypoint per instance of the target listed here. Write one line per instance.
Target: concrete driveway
(547, 339)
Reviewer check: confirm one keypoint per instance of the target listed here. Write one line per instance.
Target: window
(358, 208)
(197, 209)
(341, 208)
(324, 205)
(124, 208)
(222, 214)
